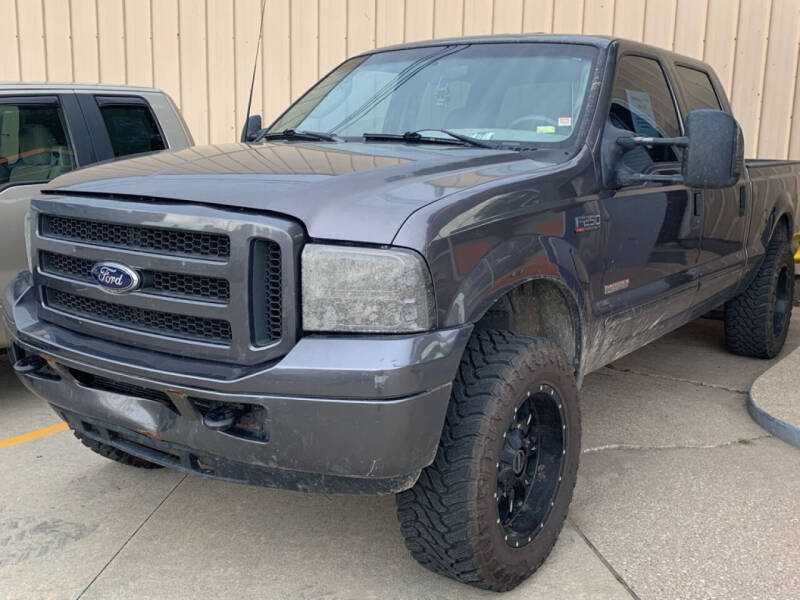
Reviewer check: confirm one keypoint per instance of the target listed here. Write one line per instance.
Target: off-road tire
(750, 318)
(115, 454)
(449, 519)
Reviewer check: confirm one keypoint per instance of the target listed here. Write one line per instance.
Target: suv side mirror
(714, 154)
(251, 128)
(713, 157)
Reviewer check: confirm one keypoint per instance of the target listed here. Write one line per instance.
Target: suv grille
(185, 326)
(168, 241)
(213, 284)
(267, 292)
(154, 282)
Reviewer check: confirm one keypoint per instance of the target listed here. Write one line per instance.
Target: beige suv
(49, 129)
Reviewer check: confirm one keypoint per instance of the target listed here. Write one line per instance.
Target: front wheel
(489, 509)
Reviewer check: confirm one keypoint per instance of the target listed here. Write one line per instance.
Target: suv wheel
(489, 509)
(757, 321)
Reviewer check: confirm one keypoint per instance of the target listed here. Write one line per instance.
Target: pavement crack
(675, 379)
(130, 537)
(743, 441)
(617, 575)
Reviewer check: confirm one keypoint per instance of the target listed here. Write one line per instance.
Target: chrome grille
(215, 284)
(155, 282)
(168, 241)
(183, 326)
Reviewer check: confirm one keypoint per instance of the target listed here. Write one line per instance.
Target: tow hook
(29, 364)
(222, 418)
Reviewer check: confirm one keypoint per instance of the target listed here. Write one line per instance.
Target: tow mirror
(714, 154)
(251, 128)
(712, 159)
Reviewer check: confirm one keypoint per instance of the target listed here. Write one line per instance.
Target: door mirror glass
(714, 151)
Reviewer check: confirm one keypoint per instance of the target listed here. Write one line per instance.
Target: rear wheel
(114, 453)
(757, 321)
(489, 509)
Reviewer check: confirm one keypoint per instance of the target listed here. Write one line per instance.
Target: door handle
(742, 200)
(698, 204)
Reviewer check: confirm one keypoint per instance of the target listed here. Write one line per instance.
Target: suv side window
(34, 144)
(698, 89)
(131, 129)
(642, 103)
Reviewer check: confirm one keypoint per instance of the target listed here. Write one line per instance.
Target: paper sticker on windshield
(642, 113)
(545, 129)
(565, 121)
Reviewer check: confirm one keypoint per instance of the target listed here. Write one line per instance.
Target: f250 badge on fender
(116, 278)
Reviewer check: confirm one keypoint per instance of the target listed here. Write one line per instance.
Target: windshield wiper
(292, 134)
(416, 136)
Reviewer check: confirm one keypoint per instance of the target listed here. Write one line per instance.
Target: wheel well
(785, 225)
(541, 308)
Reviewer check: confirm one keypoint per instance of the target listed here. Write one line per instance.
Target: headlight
(365, 290)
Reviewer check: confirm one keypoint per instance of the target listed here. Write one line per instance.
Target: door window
(642, 103)
(698, 89)
(34, 144)
(131, 129)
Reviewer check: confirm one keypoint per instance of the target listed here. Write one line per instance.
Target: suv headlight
(368, 290)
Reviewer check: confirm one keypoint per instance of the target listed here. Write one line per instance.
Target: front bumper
(336, 414)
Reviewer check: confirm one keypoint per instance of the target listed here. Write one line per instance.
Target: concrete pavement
(680, 494)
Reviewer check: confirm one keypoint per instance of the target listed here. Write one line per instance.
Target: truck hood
(356, 191)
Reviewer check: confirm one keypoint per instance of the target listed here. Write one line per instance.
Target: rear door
(652, 237)
(41, 137)
(123, 125)
(722, 244)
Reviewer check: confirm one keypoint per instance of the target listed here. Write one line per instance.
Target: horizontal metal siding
(201, 51)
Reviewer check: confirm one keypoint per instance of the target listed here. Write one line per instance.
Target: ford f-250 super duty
(399, 286)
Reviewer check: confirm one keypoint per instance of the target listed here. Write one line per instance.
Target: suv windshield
(518, 93)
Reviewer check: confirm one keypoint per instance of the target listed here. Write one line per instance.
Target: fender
(761, 233)
(783, 207)
(513, 263)
(509, 265)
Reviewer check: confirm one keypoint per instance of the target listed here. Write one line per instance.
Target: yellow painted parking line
(32, 435)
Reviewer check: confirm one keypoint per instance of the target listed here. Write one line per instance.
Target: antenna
(246, 129)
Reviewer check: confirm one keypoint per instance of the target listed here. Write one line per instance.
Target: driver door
(652, 241)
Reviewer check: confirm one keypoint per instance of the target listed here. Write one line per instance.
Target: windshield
(504, 92)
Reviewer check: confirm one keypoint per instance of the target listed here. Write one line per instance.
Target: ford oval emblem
(116, 278)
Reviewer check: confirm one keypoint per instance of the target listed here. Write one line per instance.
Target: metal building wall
(201, 51)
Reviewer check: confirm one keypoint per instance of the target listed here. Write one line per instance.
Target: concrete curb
(774, 399)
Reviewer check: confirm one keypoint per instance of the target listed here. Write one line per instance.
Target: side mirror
(713, 157)
(251, 128)
(714, 154)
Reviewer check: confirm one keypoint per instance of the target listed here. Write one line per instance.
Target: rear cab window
(698, 91)
(131, 126)
(35, 145)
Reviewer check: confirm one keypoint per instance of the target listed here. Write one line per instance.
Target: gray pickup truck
(49, 129)
(400, 285)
